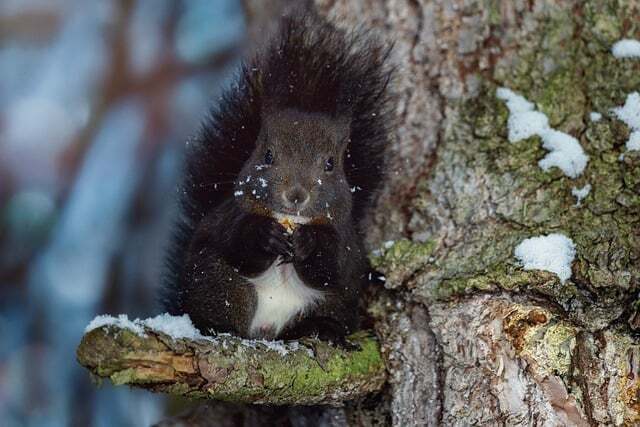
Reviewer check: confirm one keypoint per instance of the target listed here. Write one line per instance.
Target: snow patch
(122, 321)
(279, 346)
(174, 326)
(581, 193)
(634, 141)
(629, 113)
(553, 253)
(565, 152)
(525, 124)
(178, 327)
(595, 116)
(626, 48)
(515, 103)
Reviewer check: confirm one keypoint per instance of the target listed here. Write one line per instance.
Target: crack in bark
(439, 372)
(578, 368)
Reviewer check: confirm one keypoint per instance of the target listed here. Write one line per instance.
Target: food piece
(288, 224)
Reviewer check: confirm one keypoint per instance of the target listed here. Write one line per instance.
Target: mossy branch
(232, 369)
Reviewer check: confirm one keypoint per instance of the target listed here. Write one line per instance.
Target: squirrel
(269, 243)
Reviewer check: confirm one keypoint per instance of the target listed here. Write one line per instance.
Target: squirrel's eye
(268, 157)
(328, 165)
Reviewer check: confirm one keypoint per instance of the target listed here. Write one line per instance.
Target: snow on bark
(508, 346)
(554, 252)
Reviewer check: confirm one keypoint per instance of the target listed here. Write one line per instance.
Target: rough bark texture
(231, 369)
(468, 336)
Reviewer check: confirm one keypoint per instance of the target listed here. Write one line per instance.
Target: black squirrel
(276, 186)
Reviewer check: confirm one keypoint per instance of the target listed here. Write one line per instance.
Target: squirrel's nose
(296, 197)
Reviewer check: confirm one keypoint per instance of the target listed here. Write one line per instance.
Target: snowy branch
(233, 369)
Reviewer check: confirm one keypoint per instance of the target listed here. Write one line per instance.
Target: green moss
(493, 8)
(402, 253)
(402, 259)
(601, 18)
(566, 68)
(297, 376)
(450, 287)
(562, 99)
(125, 376)
(306, 377)
(233, 370)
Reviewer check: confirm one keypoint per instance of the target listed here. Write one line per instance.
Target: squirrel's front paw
(304, 243)
(275, 240)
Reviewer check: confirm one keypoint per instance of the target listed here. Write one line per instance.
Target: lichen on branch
(232, 369)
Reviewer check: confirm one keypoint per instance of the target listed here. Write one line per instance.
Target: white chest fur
(281, 296)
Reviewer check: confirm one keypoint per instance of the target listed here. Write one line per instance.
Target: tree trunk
(468, 336)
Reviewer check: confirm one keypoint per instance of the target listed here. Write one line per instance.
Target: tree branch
(233, 369)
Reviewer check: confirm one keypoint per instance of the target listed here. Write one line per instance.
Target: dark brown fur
(314, 96)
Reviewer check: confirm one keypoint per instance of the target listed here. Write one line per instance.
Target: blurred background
(96, 101)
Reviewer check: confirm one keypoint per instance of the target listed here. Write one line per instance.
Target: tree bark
(469, 336)
(231, 369)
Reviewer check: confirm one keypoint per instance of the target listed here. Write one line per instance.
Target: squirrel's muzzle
(295, 198)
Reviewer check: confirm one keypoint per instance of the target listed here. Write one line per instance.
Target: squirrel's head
(297, 168)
